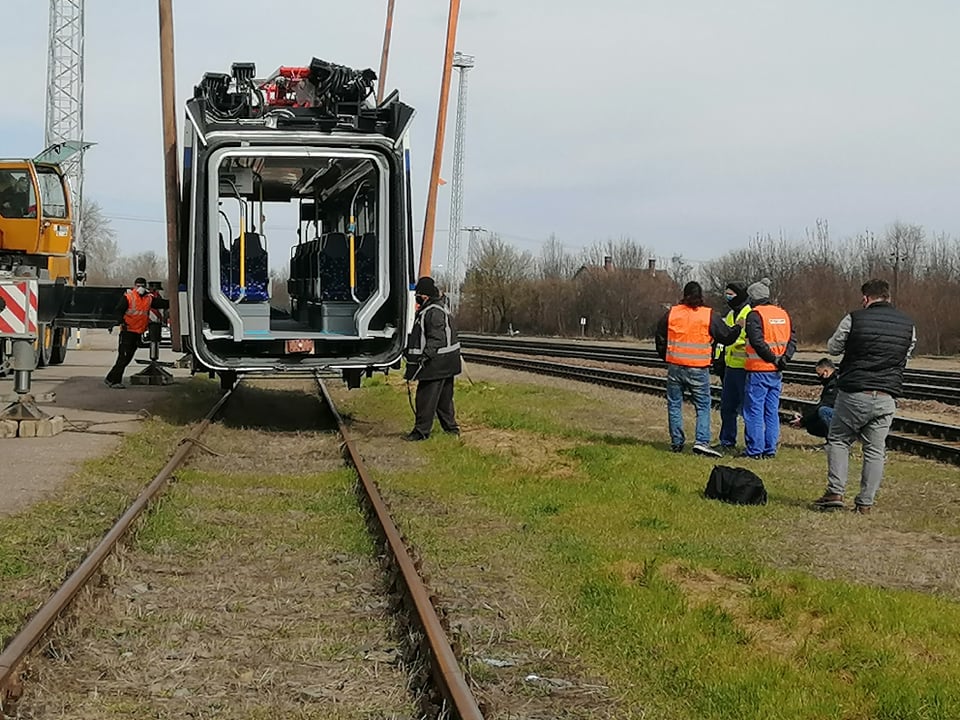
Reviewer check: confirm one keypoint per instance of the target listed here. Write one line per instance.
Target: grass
(688, 608)
(40, 546)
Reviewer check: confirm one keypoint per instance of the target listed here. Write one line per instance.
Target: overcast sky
(688, 125)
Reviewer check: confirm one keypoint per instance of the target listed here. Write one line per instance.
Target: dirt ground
(96, 418)
(242, 598)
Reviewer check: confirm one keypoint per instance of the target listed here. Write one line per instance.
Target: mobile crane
(37, 241)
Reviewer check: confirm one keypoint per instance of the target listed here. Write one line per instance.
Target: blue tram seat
(334, 268)
(293, 283)
(257, 270)
(367, 280)
(224, 268)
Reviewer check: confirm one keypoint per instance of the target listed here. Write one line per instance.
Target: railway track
(940, 385)
(442, 688)
(915, 437)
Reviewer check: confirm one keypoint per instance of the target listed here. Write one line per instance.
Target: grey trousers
(866, 416)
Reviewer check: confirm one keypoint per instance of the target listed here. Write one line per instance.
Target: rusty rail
(445, 669)
(31, 633)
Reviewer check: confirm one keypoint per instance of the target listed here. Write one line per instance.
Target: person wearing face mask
(733, 359)
(433, 360)
(133, 310)
(816, 420)
(684, 339)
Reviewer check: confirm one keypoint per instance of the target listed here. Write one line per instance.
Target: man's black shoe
(414, 436)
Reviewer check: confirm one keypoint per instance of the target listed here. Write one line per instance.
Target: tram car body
(301, 171)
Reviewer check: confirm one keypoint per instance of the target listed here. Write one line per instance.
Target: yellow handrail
(243, 254)
(353, 259)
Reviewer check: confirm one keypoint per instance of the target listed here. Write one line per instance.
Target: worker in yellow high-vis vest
(734, 358)
(684, 338)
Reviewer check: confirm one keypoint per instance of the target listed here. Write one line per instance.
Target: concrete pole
(171, 172)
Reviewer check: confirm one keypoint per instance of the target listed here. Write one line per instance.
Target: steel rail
(445, 668)
(903, 436)
(942, 386)
(33, 631)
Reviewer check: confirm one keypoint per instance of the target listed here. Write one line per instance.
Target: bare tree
(494, 282)
(903, 245)
(99, 241)
(553, 295)
(555, 261)
(680, 270)
(148, 265)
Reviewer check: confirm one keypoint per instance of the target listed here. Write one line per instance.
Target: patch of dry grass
(252, 591)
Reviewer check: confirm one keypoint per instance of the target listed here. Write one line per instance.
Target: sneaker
(724, 449)
(702, 449)
(113, 385)
(768, 456)
(862, 509)
(414, 436)
(455, 432)
(747, 456)
(677, 448)
(828, 501)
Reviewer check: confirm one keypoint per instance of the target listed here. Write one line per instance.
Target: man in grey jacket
(875, 342)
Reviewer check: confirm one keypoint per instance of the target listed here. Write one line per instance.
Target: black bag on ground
(735, 485)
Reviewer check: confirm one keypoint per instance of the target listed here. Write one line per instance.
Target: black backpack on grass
(735, 485)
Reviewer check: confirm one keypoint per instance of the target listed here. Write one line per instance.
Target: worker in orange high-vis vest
(771, 343)
(685, 338)
(134, 312)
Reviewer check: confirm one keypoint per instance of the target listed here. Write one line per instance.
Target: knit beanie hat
(426, 286)
(739, 289)
(760, 290)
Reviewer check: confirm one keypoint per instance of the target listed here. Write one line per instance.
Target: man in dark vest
(433, 360)
(875, 343)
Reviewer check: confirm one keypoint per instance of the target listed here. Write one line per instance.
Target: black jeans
(435, 398)
(128, 346)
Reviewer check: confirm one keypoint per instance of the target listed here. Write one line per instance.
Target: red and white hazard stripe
(19, 315)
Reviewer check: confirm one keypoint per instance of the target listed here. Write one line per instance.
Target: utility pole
(463, 63)
(426, 248)
(472, 242)
(387, 31)
(471, 255)
(171, 172)
(64, 116)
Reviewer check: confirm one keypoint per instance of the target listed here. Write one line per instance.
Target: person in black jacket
(684, 338)
(433, 360)
(816, 420)
(875, 342)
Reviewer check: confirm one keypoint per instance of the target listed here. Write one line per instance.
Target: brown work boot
(829, 501)
(862, 509)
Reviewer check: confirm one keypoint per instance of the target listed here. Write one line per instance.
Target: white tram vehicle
(300, 171)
